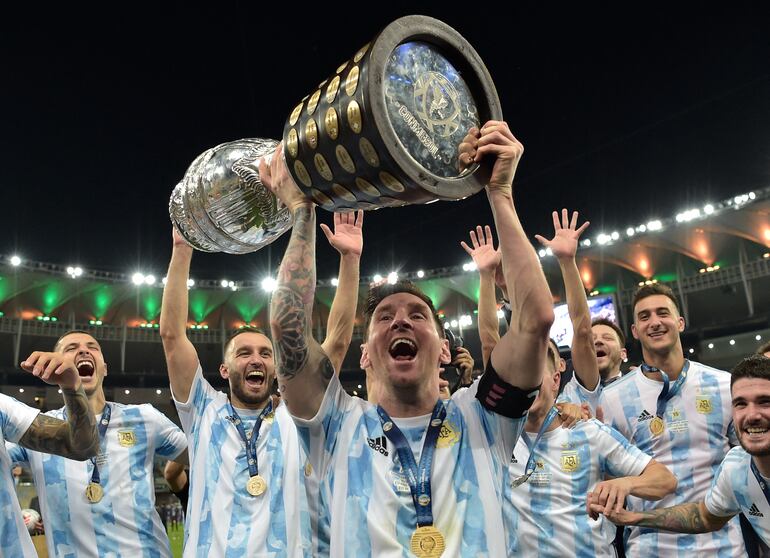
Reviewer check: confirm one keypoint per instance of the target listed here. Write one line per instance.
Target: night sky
(625, 115)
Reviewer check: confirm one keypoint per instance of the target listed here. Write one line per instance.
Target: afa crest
(703, 404)
(448, 436)
(126, 438)
(569, 461)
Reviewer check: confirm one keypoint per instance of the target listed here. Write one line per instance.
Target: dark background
(627, 114)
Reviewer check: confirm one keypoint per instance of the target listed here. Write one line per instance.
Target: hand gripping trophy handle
(385, 130)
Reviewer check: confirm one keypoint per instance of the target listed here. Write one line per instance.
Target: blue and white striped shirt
(124, 522)
(698, 434)
(15, 419)
(223, 519)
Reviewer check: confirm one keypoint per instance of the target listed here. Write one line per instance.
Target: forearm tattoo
(685, 518)
(76, 438)
(292, 302)
(289, 323)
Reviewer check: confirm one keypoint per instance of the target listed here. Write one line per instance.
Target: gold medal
(427, 542)
(94, 492)
(256, 485)
(657, 426)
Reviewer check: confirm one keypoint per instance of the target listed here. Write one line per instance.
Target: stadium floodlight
(453, 323)
(149, 279)
(335, 281)
(603, 238)
(758, 338)
(127, 391)
(420, 274)
(190, 283)
(541, 253)
(15, 261)
(500, 314)
(164, 281)
(137, 278)
(587, 242)
(269, 284)
(158, 392)
(446, 325)
(377, 278)
(392, 278)
(711, 345)
(641, 228)
(630, 231)
(654, 225)
(615, 235)
(708, 209)
(548, 251)
(732, 341)
(465, 320)
(224, 283)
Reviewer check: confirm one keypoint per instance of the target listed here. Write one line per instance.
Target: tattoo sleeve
(75, 438)
(685, 518)
(292, 303)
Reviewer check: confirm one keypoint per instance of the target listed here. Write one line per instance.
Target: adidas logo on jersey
(754, 510)
(644, 416)
(379, 444)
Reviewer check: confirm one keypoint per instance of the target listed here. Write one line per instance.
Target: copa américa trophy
(382, 131)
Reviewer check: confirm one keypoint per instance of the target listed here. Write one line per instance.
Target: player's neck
(671, 362)
(97, 401)
(608, 375)
(763, 464)
(536, 418)
(238, 404)
(412, 402)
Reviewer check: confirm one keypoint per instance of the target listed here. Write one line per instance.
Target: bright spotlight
(392, 278)
(708, 209)
(137, 278)
(190, 283)
(420, 274)
(335, 282)
(453, 323)
(655, 225)
(149, 279)
(732, 341)
(15, 261)
(224, 284)
(630, 231)
(711, 345)
(377, 278)
(269, 284)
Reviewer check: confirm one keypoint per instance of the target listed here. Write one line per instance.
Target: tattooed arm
(302, 367)
(684, 518)
(75, 438)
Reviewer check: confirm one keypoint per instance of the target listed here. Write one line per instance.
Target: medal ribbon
(530, 468)
(668, 390)
(762, 482)
(418, 476)
(251, 443)
(102, 426)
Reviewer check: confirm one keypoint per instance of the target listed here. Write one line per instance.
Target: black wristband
(500, 397)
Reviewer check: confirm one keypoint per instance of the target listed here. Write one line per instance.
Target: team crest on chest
(703, 404)
(569, 461)
(448, 436)
(126, 438)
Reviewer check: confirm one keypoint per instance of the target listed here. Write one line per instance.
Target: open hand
(348, 237)
(565, 239)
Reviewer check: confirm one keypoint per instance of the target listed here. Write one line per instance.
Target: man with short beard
(388, 485)
(610, 346)
(741, 483)
(105, 505)
(247, 473)
(678, 412)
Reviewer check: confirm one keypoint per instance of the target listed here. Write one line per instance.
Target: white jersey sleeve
(15, 418)
(619, 457)
(721, 499)
(577, 393)
(169, 440)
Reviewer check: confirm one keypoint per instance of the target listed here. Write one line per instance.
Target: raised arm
(302, 367)
(520, 355)
(348, 240)
(76, 438)
(685, 518)
(487, 259)
(564, 246)
(181, 357)
(655, 482)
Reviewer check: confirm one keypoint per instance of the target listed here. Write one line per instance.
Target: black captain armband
(500, 397)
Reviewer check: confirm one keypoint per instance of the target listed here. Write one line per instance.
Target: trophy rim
(461, 54)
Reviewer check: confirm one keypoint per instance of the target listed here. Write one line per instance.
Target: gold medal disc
(256, 485)
(657, 426)
(427, 542)
(94, 492)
